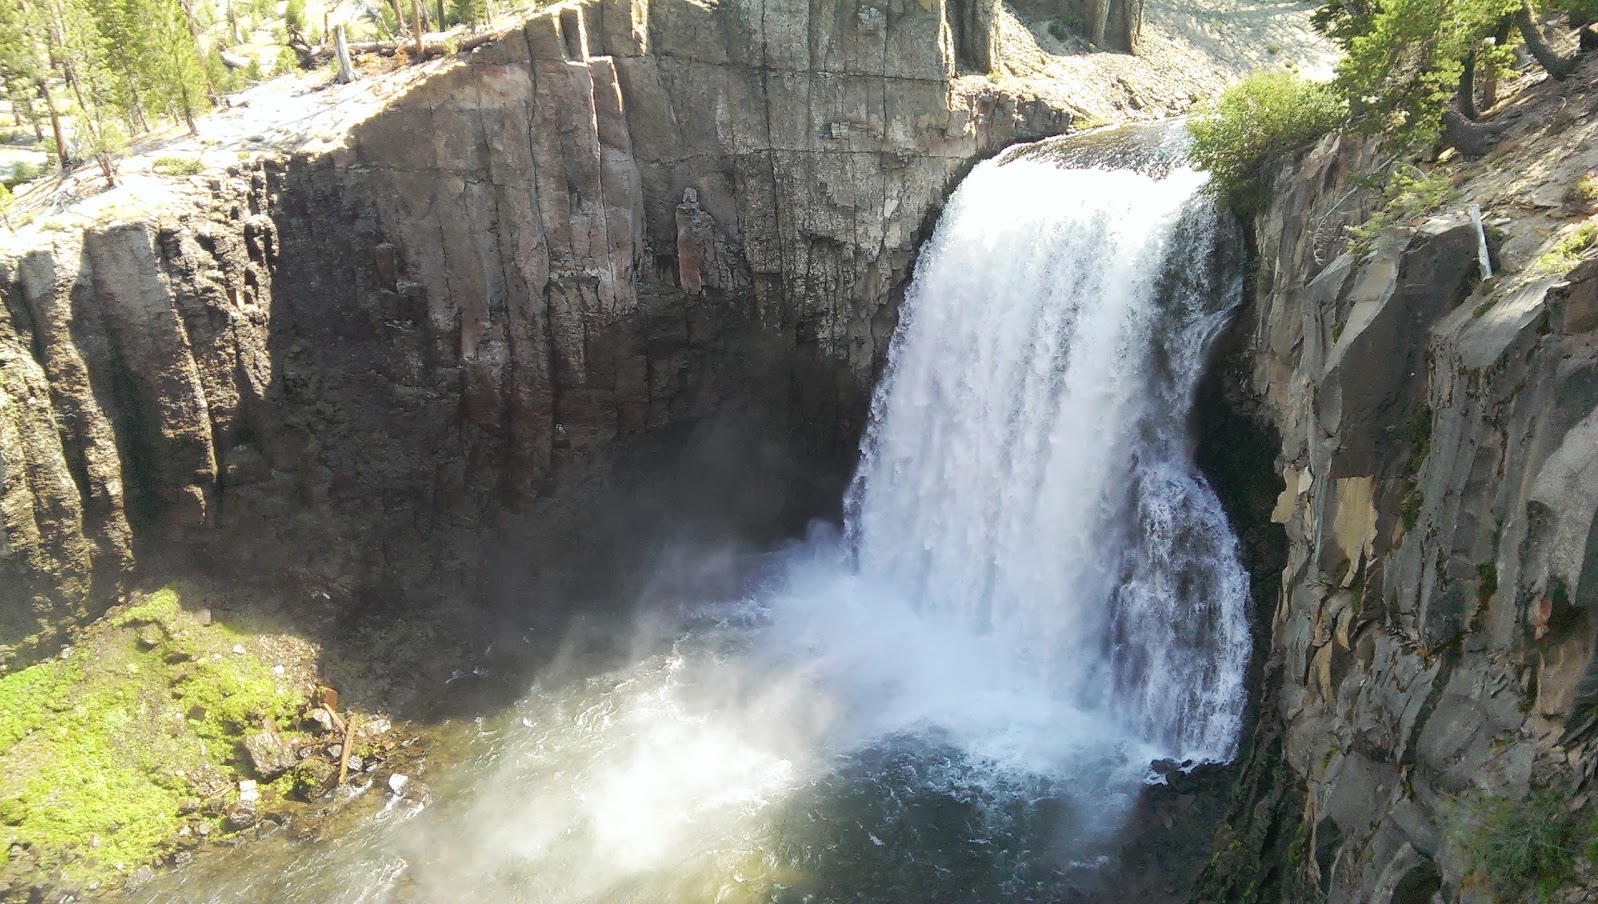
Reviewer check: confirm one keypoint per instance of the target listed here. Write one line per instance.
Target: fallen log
(344, 754)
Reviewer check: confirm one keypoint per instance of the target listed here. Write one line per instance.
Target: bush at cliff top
(1253, 123)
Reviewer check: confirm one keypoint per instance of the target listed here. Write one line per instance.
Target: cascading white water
(955, 701)
(1027, 465)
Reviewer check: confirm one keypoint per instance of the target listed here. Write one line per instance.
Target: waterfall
(956, 700)
(1027, 469)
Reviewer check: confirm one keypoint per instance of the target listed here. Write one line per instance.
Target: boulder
(270, 755)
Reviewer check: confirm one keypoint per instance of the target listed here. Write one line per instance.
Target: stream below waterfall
(955, 698)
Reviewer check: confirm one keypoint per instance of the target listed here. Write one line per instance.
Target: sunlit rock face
(1433, 637)
(624, 240)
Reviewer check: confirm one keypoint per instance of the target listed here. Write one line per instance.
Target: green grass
(1407, 194)
(177, 166)
(1420, 433)
(24, 172)
(1567, 251)
(1587, 188)
(1487, 580)
(1420, 438)
(1410, 513)
(98, 751)
(29, 697)
(1527, 850)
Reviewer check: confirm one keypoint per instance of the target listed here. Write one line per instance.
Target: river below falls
(755, 749)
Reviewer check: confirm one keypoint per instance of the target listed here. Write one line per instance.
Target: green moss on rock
(99, 750)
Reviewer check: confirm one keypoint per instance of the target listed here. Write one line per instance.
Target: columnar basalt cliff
(1433, 640)
(546, 266)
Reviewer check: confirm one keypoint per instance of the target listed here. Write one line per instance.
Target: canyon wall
(629, 263)
(1432, 639)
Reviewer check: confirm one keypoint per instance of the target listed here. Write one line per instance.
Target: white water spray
(1027, 467)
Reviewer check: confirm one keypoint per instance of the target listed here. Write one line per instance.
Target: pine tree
(1410, 68)
(122, 25)
(176, 75)
(25, 64)
(469, 12)
(78, 51)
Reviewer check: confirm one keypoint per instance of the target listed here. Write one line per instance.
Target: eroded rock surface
(1433, 638)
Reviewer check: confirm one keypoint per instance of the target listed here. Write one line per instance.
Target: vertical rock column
(45, 561)
(167, 420)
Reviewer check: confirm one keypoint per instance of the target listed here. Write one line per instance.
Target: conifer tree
(176, 75)
(470, 12)
(26, 65)
(1410, 65)
(78, 51)
(121, 23)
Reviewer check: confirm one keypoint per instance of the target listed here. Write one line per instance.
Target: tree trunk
(1489, 78)
(1557, 66)
(108, 168)
(199, 51)
(188, 112)
(443, 23)
(55, 124)
(416, 25)
(1465, 94)
(341, 47)
(1473, 139)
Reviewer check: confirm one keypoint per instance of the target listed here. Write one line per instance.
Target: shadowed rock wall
(631, 263)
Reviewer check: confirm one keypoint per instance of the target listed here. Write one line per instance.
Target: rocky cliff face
(1433, 639)
(627, 239)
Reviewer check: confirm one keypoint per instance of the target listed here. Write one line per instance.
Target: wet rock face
(631, 263)
(1438, 500)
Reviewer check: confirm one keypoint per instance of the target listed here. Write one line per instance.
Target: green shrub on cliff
(1408, 194)
(1526, 850)
(175, 165)
(1567, 251)
(1253, 123)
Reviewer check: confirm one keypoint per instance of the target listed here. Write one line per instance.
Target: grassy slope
(101, 748)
